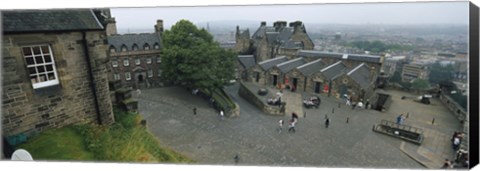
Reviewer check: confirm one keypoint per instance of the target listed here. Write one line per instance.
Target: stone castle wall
(27, 110)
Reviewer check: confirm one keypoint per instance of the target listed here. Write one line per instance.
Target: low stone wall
(253, 98)
(460, 113)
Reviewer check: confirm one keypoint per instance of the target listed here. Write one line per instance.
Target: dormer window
(124, 48)
(146, 46)
(112, 49)
(156, 46)
(135, 47)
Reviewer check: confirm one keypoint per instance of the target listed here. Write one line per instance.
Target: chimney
(279, 24)
(296, 25)
(263, 23)
(111, 27)
(159, 26)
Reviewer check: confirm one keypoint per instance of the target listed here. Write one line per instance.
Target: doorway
(317, 87)
(275, 80)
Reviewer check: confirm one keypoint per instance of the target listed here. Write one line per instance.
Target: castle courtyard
(252, 136)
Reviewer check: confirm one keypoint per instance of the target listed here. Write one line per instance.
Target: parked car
(313, 101)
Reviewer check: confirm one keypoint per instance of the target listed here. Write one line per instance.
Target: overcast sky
(376, 13)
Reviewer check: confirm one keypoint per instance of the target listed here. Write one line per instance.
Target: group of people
(291, 124)
(461, 156)
(349, 102)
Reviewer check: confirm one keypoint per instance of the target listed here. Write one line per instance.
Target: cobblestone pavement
(209, 140)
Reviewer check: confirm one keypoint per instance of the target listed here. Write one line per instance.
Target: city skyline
(419, 13)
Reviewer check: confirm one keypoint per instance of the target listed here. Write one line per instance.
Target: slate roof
(245, 33)
(313, 53)
(130, 39)
(291, 64)
(334, 70)
(361, 74)
(281, 36)
(311, 67)
(246, 61)
(21, 21)
(364, 58)
(267, 64)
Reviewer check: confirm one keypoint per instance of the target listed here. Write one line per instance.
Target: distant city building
(135, 58)
(413, 71)
(390, 64)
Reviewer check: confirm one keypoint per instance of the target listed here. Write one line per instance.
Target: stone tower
(242, 38)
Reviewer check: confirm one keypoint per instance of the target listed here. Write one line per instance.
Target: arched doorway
(140, 78)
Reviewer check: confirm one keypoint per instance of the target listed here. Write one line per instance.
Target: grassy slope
(58, 144)
(124, 141)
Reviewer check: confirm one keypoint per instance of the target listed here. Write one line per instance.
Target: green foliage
(191, 58)
(58, 144)
(378, 46)
(439, 73)
(124, 141)
(420, 84)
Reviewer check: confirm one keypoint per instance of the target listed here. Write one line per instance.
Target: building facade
(55, 70)
(414, 71)
(135, 58)
(268, 42)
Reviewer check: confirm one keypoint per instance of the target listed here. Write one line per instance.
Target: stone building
(303, 75)
(413, 71)
(55, 70)
(258, 73)
(244, 62)
(135, 58)
(271, 41)
(280, 71)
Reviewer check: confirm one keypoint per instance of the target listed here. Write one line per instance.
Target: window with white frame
(127, 76)
(135, 47)
(156, 46)
(149, 60)
(41, 65)
(150, 73)
(159, 73)
(116, 76)
(146, 46)
(126, 62)
(137, 61)
(114, 63)
(159, 59)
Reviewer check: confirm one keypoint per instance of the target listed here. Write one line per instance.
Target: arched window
(146, 46)
(124, 48)
(135, 47)
(156, 46)
(112, 49)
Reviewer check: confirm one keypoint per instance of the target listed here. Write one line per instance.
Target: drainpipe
(90, 76)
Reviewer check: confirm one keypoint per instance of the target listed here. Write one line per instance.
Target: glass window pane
(45, 49)
(51, 76)
(32, 70)
(27, 51)
(36, 50)
(40, 69)
(39, 60)
(49, 67)
(47, 58)
(33, 79)
(29, 61)
(42, 77)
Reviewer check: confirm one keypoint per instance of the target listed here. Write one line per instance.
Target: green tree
(420, 84)
(439, 73)
(192, 59)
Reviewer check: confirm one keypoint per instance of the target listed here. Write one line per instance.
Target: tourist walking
(280, 126)
(446, 164)
(400, 119)
(194, 111)
(367, 103)
(327, 122)
(222, 116)
(292, 126)
(236, 158)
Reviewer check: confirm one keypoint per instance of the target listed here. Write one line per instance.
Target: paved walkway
(209, 140)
